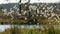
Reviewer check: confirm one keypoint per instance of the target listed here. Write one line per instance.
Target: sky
(41, 1)
(24, 1)
(8, 1)
(31, 1)
(44, 1)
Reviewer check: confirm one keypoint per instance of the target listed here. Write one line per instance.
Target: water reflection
(3, 27)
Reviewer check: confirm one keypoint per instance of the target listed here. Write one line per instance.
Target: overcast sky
(44, 1)
(24, 1)
(8, 1)
(41, 1)
(31, 1)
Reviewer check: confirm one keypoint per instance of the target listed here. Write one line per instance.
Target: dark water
(8, 6)
(48, 4)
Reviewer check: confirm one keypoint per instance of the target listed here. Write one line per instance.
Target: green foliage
(31, 31)
(51, 30)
